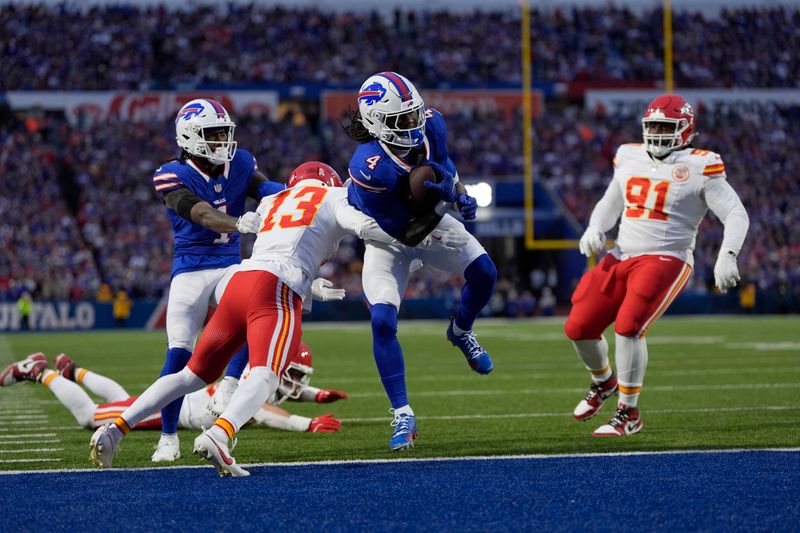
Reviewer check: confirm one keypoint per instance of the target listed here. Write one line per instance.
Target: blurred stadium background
(89, 90)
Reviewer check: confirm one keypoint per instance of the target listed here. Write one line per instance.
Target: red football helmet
(667, 125)
(296, 375)
(314, 170)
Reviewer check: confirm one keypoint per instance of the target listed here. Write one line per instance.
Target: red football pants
(257, 307)
(631, 293)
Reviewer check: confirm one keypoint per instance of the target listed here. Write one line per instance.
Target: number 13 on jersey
(638, 198)
(294, 208)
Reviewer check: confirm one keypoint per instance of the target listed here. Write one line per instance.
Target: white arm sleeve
(608, 209)
(362, 226)
(725, 203)
(309, 394)
(286, 423)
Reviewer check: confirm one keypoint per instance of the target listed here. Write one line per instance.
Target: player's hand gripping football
(726, 273)
(446, 187)
(329, 396)
(322, 291)
(250, 222)
(592, 241)
(324, 424)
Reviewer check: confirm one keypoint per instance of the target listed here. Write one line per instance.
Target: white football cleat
(167, 450)
(222, 396)
(626, 421)
(215, 452)
(103, 447)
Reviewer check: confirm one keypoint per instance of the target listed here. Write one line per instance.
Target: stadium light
(482, 192)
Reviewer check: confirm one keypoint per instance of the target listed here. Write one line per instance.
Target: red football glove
(328, 396)
(324, 424)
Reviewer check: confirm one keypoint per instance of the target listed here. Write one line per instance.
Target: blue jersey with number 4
(379, 178)
(197, 247)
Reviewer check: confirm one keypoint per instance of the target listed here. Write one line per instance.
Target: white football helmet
(392, 110)
(200, 118)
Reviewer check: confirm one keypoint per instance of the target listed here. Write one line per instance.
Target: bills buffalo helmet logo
(372, 93)
(189, 111)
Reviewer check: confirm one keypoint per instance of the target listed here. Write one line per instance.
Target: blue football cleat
(405, 431)
(476, 356)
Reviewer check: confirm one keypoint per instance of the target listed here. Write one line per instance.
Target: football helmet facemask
(392, 110)
(295, 377)
(667, 125)
(204, 129)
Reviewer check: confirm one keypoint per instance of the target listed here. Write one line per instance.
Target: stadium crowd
(92, 185)
(128, 47)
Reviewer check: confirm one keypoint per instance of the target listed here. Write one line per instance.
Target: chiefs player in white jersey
(660, 192)
(300, 229)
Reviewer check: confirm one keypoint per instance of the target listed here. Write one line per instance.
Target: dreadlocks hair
(355, 128)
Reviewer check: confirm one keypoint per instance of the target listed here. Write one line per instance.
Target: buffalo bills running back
(397, 133)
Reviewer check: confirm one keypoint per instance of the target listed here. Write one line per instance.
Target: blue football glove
(446, 188)
(467, 205)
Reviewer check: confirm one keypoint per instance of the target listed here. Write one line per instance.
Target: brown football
(421, 200)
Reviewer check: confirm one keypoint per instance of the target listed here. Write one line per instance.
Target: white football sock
(594, 354)
(251, 394)
(160, 393)
(106, 388)
(631, 359)
(405, 410)
(71, 396)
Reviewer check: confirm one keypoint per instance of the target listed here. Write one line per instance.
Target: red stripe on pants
(257, 306)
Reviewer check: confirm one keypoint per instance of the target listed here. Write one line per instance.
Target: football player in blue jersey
(204, 191)
(397, 133)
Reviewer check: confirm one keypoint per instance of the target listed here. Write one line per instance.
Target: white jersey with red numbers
(662, 201)
(301, 228)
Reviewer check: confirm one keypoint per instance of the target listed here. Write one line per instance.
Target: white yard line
(20, 442)
(26, 436)
(34, 460)
(569, 415)
(34, 450)
(543, 457)
(573, 390)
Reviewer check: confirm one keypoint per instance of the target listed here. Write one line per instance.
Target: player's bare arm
(194, 209)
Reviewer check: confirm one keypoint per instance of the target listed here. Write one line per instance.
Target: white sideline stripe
(19, 442)
(39, 460)
(4, 412)
(571, 390)
(539, 456)
(34, 450)
(23, 423)
(22, 417)
(25, 436)
(567, 414)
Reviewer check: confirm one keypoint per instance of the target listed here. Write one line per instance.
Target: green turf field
(711, 383)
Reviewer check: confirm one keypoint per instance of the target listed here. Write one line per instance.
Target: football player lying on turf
(262, 304)
(660, 192)
(65, 383)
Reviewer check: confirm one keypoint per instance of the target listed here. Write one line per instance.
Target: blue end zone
(743, 491)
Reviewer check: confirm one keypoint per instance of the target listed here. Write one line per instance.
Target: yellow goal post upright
(531, 242)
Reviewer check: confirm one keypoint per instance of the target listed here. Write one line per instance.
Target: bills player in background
(67, 380)
(397, 133)
(204, 191)
(660, 192)
(300, 229)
